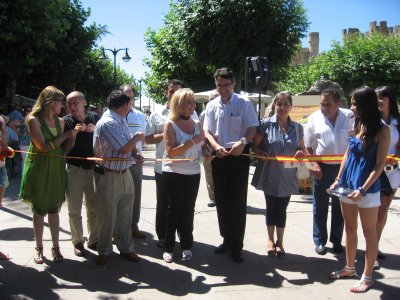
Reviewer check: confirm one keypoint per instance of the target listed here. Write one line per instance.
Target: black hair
(131, 86)
(172, 82)
(226, 73)
(387, 91)
(117, 99)
(370, 117)
(333, 92)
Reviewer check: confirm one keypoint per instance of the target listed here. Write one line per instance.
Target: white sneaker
(168, 257)
(187, 255)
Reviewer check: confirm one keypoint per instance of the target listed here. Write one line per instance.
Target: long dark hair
(387, 91)
(370, 116)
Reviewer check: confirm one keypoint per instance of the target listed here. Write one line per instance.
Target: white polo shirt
(229, 122)
(136, 123)
(325, 139)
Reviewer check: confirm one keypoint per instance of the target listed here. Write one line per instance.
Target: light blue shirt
(229, 122)
(110, 135)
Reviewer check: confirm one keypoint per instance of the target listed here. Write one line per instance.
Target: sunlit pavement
(301, 274)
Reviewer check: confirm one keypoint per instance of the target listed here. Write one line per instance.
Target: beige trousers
(80, 184)
(115, 194)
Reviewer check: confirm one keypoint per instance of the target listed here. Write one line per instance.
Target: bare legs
(2, 189)
(368, 217)
(278, 245)
(386, 200)
(38, 222)
(54, 224)
(38, 225)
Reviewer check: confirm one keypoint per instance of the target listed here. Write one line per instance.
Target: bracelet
(362, 191)
(337, 179)
(191, 139)
(52, 145)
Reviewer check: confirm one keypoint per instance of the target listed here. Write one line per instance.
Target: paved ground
(302, 274)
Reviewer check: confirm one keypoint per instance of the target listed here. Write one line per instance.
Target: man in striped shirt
(113, 184)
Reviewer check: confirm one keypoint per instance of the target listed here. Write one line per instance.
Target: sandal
(57, 257)
(363, 285)
(339, 274)
(4, 256)
(271, 251)
(38, 257)
(280, 252)
(168, 257)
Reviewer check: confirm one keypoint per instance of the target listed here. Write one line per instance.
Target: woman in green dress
(43, 179)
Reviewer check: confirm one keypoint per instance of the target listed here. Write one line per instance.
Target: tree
(46, 42)
(96, 77)
(202, 35)
(362, 60)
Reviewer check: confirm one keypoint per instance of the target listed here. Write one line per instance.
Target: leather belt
(115, 171)
(86, 167)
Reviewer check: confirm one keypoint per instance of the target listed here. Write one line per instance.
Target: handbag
(302, 172)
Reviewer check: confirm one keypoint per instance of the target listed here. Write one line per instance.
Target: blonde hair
(44, 100)
(176, 104)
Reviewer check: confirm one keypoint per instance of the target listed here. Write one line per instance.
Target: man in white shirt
(136, 123)
(230, 124)
(327, 133)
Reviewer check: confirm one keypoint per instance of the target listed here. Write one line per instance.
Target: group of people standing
(365, 134)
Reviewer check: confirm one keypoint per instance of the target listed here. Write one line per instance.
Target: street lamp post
(140, 93)
(126, 59)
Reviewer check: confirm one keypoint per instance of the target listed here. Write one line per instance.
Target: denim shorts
(3, 177)
(370, 200)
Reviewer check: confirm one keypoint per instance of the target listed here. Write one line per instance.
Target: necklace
(183, 117)
(283, 125)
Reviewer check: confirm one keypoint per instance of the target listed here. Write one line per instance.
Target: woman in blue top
(360, 169)
(277, 135)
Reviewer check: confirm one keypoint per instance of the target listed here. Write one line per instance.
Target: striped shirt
(110, 135)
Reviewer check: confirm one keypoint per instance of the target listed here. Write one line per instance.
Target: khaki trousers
(115, 194)
(79, 185)
(209, 180)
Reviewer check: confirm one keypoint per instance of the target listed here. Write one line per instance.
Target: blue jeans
(321, 207)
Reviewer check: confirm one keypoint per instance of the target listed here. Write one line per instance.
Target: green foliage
(46, 42)
(202, 35)
(372, 60)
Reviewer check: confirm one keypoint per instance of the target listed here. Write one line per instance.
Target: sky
(128, 20)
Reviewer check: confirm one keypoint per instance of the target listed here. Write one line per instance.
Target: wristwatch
(243, 141)
(362, 191)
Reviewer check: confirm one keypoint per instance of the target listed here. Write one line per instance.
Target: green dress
(43, 178)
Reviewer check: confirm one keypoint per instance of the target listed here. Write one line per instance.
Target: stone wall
(374, 28)
(304, 55)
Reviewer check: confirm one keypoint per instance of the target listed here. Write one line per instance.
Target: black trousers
(230, 175)
(182, 193)
(275, 213)
(161, 207)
